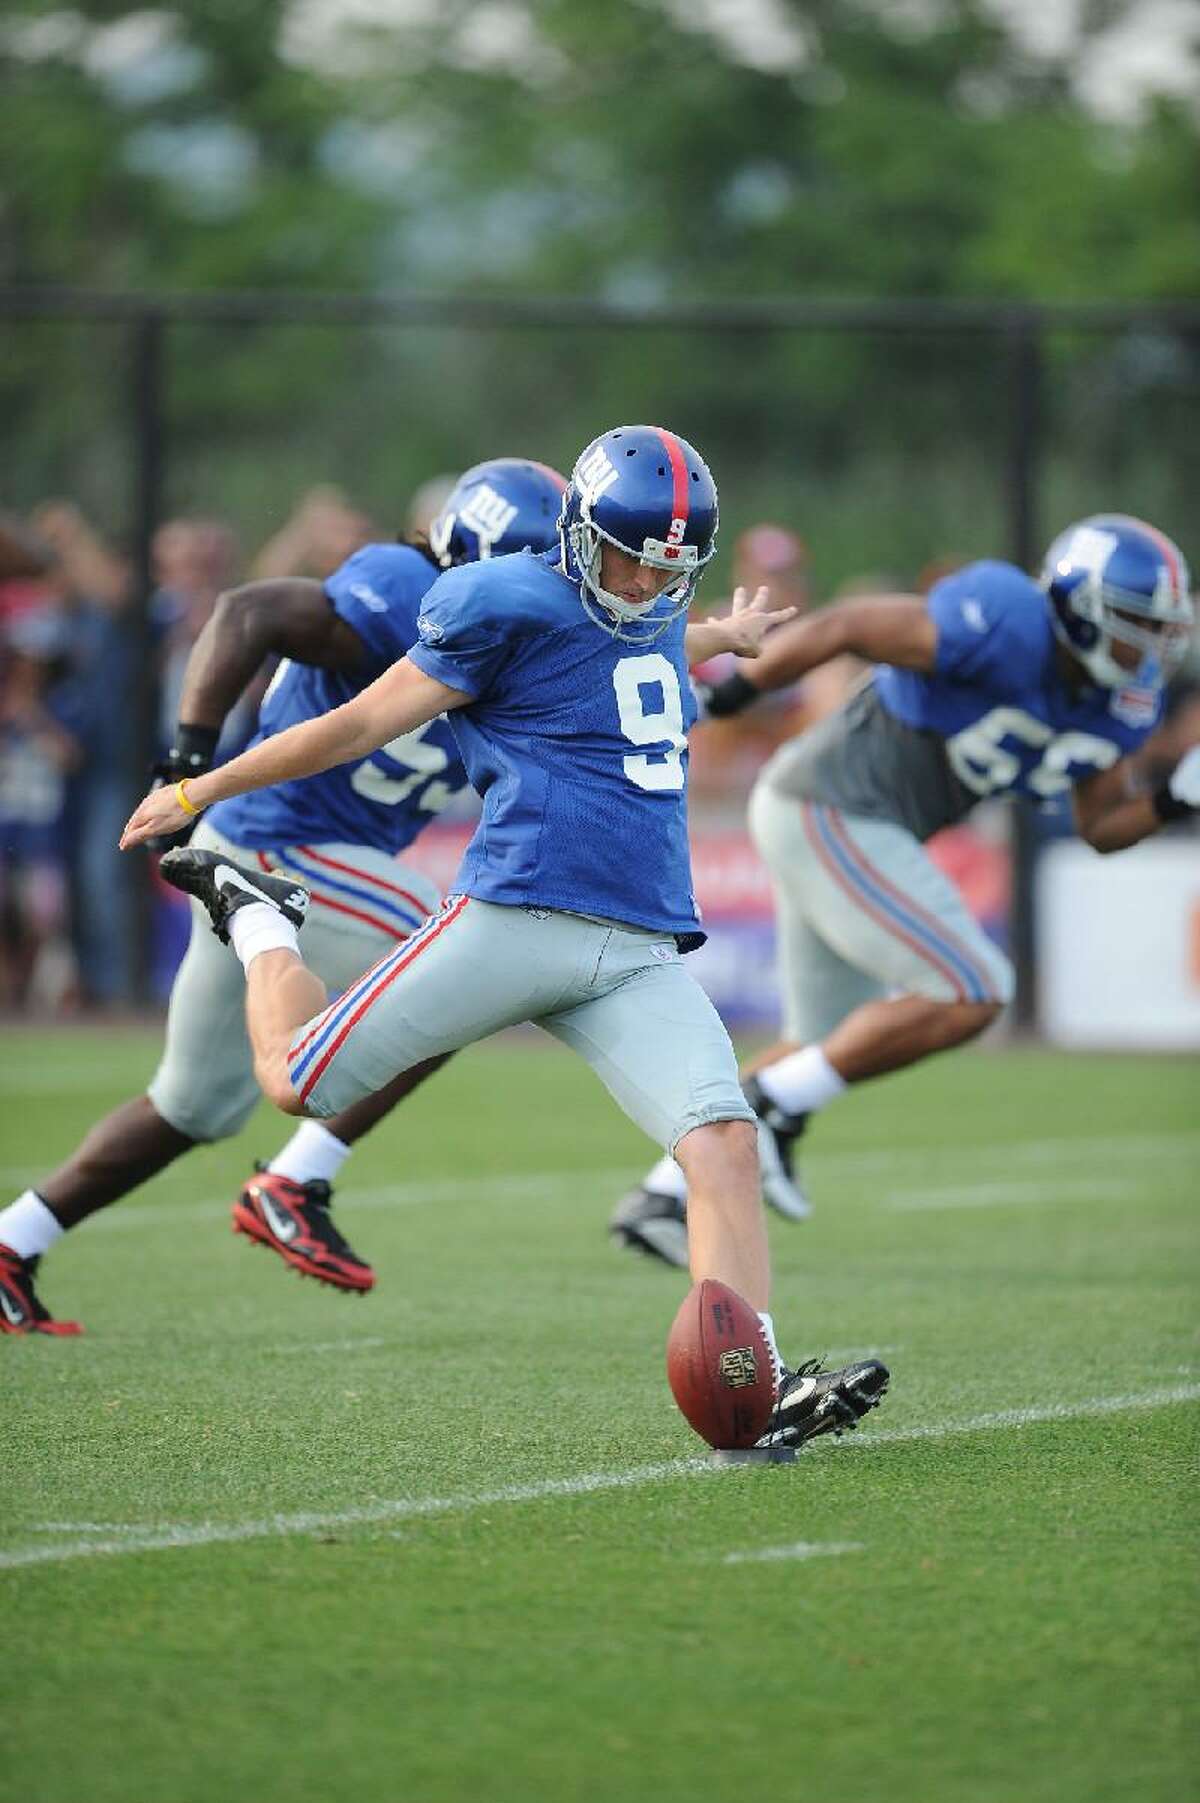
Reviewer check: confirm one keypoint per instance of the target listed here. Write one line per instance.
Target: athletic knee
(202, 1117)
(275, 1081)
(957, 1022)
(718, 1153)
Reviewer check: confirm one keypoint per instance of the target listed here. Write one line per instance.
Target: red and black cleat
(294, 1220)
(20, 1309)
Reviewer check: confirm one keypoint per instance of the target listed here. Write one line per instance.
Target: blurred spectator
(93, 585)
(39, 746)
(322, 533)
(22, 553)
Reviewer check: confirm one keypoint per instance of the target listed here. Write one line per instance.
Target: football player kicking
(338, 833)
(994, 684)
(565, 679)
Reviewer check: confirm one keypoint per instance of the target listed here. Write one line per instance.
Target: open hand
(749, 621)
(156, 814)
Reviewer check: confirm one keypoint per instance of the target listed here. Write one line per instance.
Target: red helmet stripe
(679, 476)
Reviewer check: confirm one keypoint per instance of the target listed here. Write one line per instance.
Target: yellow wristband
(181, 796)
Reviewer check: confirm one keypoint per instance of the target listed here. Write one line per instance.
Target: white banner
(1118, 945)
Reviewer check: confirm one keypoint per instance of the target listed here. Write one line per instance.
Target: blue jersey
(384, 800)
(576, 742)
(997, 699)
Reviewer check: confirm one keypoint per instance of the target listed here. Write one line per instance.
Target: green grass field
(260, 1541)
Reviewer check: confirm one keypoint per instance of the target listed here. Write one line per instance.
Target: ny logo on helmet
(488, 515)
(594, 474)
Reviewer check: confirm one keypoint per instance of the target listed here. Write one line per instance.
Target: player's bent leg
(282, 996)
(126, 1148)
(660, 1048)
(363, 905)
(203, 1089)
(258, 914)
(863, 910)
(474, 968)
(286, 1204)
(886, 1036)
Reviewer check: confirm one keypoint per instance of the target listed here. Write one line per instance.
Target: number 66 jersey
(382, 801)
(996, 715)
(576, 740)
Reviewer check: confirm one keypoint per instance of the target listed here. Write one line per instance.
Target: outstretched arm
(884, 629)
(399, 701)
(289, 618)
(1112, 812)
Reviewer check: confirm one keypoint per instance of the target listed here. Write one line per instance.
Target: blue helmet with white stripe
(507, 504)
(1112, 580)
(650, 493)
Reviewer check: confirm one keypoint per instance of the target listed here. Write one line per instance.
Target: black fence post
(147, 397)
(1024, 445)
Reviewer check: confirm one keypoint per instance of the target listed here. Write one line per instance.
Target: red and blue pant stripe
(898, 913)
(324, 1037)
(346, 890)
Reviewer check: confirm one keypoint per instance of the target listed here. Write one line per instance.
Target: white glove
(1184, 780)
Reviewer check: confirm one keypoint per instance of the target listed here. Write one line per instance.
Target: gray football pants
(615, 994)
(863, 911)
(205, 1085)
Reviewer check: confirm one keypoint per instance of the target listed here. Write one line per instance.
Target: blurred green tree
(640, 151)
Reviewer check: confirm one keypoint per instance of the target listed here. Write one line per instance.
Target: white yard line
(1032, 1417)
(161, 1537)
(1013, 1192)
(299, 1348)
(799, 1549)
(1091, 1149)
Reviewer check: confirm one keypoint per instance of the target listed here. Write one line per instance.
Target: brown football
(719, 1366)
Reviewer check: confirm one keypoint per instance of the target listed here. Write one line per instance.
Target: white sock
(667, 1179)
(27, 1227)
(312, 1154)
(768, 1327)
(258, 927)
(803, 1081)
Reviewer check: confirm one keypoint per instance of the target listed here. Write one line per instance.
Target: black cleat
(647, 1220)
(221, 886)
(21, 1311)
(778, 1132)
(813, 1401)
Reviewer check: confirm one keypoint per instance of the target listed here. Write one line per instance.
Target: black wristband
(731, 696)
(1168, 807)
(195, 744)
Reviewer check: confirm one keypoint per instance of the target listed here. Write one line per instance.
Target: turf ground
(260, 1541)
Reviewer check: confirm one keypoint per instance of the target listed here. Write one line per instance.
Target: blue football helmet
(1111, 579)
(504, 505)
(646, 491)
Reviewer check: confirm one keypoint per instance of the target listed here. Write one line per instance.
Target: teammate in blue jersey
(338, 833)
(564, 676)
(994, 684)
